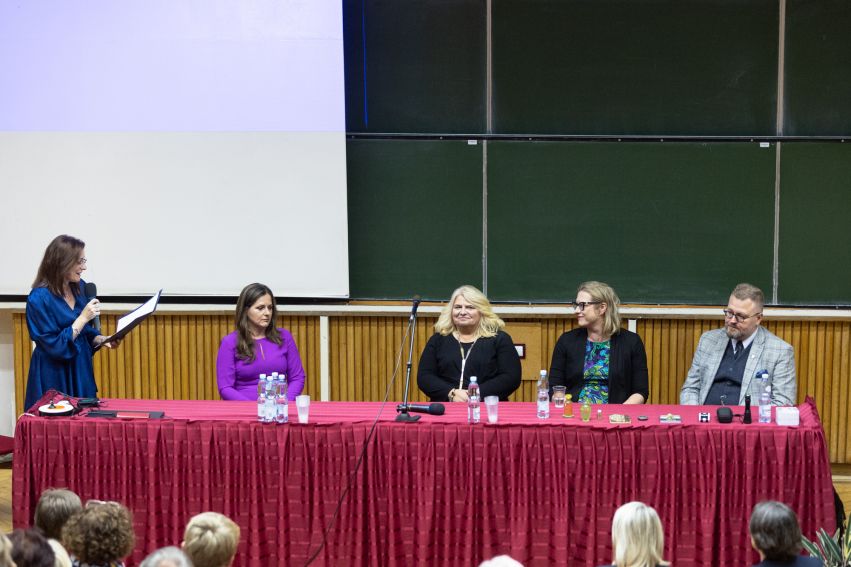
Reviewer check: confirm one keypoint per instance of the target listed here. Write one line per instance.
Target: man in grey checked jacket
(727, 359)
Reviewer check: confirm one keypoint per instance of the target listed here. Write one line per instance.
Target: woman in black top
(468, 341)
(599, 361)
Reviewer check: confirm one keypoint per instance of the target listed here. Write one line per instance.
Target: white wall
(193, 213)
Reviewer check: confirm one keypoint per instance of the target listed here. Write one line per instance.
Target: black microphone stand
(412, 329)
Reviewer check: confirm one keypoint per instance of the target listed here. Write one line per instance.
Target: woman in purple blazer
(257, 347)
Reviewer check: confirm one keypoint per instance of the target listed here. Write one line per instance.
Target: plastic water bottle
(261, 398)
(271, 396)
(765, 400)
(282, 404)
(473, 399)
(543, 396)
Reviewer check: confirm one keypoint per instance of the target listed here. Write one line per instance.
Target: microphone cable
(362, 454)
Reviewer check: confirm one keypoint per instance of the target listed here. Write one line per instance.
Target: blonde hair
(211, 540)
(600, 291)
(637, 536)
(489, 323)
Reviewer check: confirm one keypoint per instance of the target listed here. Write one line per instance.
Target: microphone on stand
(404, 408)
(91, 292)
(416, 303)
(746, 418)
(434, 408)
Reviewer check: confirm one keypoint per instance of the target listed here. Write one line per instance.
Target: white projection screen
(195, 146)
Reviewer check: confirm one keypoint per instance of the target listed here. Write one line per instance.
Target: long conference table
(436, 492)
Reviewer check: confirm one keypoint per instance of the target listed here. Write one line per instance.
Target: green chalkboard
(660, 222)
(414, 66)
(815, 224)
(415, 217)
(684, 67)
(818, 73)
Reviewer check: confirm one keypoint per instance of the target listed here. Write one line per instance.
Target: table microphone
(434, 408)
(91, 292)
(746, 418)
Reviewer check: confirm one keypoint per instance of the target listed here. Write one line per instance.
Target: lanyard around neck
(464, 357)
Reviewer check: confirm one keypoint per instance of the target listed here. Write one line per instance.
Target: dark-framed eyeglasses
(581, 305)
(82, 262)
(730, 314)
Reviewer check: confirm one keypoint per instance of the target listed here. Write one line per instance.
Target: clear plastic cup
(302, 404)
(492, 403)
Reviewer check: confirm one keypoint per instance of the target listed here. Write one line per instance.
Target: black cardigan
(627, 365)
(492, 360)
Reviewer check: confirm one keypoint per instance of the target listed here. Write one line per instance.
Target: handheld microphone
(434, 408)
(746, 418)
(415, 304)
(91, 292)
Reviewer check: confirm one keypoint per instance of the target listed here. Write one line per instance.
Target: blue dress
(58, 361)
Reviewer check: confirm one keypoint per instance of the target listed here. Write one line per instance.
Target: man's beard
(733, 332)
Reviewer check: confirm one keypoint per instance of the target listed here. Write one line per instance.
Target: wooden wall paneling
(146, 344)
(844, 398)
(539, 343)
(651, 335)
(222, 325)
(373, 368)
(182, 365)
(22, 349)
(528, 334)
(823, 370)
(364, 353)
(198, 365)
(305, 331)
(670, 346)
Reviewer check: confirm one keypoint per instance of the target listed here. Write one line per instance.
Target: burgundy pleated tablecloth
(436, 492)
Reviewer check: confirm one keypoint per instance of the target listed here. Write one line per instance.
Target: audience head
(211, 540)
(62, 262)
(775, 532)
(100, 533)
(637, 536)
(31, 549)
(54, 508)
(601, 305)
(167, 557)
(468, 308)
(256, 314)
(744, 311)
(5, 551)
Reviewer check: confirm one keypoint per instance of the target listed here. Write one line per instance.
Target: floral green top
(596, 373)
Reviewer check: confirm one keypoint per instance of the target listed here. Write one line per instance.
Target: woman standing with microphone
(58, 317)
